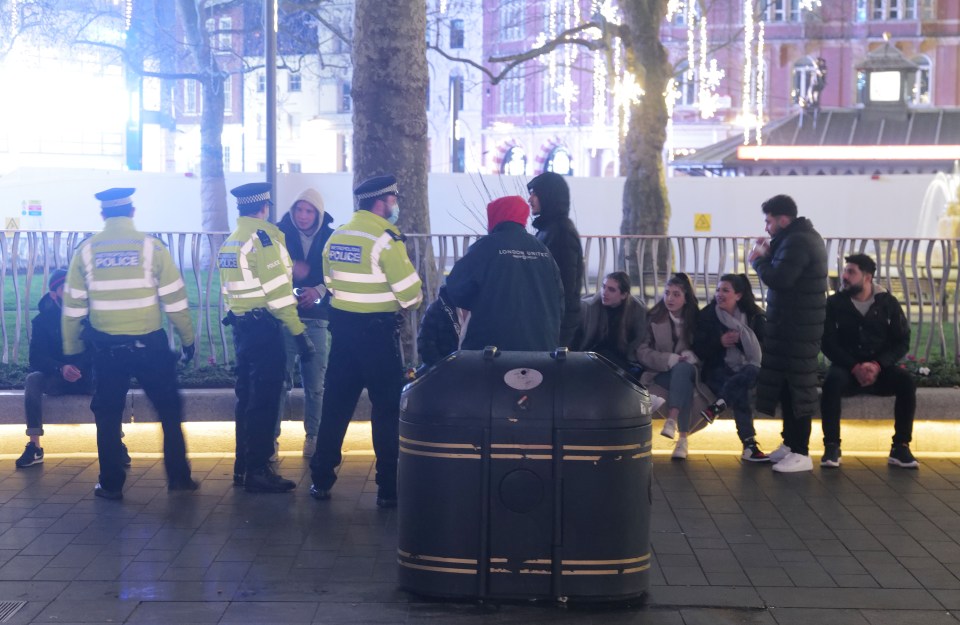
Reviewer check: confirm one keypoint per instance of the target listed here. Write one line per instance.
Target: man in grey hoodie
(307, 228)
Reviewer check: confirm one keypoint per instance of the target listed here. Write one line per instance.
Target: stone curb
(933, 404)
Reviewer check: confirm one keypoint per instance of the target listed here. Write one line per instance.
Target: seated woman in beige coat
(669, 362)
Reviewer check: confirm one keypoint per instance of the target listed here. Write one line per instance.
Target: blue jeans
(734, 388)
(679, 381)
(311, 373)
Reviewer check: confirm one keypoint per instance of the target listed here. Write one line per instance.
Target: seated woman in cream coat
(670, 366)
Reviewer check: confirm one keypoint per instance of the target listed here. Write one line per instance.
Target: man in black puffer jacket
(865, 334)
(510, 285)
(793, 265)
(550, 203)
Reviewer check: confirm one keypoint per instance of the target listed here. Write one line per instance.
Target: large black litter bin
(525, 475)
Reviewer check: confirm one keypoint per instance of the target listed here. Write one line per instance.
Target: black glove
(305, 347)
(188, 352)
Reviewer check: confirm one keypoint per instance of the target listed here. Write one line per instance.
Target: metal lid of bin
(574, 390)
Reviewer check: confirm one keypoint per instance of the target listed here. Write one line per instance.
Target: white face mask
(394, 214)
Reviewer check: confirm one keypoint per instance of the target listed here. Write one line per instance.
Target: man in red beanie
(510, 284)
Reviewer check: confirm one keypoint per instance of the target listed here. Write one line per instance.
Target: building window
(261, 131)
(511, 20)
(190, 99)
(921, 85)
(680, 17)
(261, 83)
(862, 10)
(686, 85)
(804, 77)
(514, 162)
(861, 87)
(456, 34)
(550, 101)
(928, 9)
(893, 10)
(226, 158)
(560, 162)
(228, 95)
(225, 36)
(456, 93)
(784, 11)
(346, 99)
(294, 167)
(511, 95)
(293, 82)
(262, 168)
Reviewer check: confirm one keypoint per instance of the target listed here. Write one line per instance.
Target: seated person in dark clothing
(864, 336)
(727, 340)
(510, 284)
(50, 374)
(439, 333)
(613, 323)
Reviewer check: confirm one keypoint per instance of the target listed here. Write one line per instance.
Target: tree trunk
(213, 198)
(646, 209)
(389, 111)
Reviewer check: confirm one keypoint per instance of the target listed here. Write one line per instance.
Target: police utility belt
(125, 342)
(250, 318)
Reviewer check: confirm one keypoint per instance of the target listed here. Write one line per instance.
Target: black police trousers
(149, 359)
(364, 352)
(261, 365)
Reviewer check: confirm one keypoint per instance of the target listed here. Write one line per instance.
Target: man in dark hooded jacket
(509, 283)
(793, 265)
(550, 203)
(49, 372)
(306, 229)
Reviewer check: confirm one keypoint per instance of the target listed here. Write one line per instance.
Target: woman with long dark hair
(668, 358)
(728, 341)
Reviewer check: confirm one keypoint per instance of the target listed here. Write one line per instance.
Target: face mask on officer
(394, 212)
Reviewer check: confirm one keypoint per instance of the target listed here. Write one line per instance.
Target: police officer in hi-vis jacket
(119, 283)
(371, 279)
(257, 283)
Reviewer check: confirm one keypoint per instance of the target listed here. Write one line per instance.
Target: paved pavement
(865, 544)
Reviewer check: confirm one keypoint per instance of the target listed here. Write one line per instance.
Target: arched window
(559, 161)
(804, 76)
(514, 162)
(921, 93)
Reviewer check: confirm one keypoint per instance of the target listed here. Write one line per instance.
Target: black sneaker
(125, 456)
(186, 484)
(900, 456)
(831, 455)
(103, 493)
(752, 453)
(31, 455)
(386, 501)
(713, 411)
(320, 494)
(266, 481)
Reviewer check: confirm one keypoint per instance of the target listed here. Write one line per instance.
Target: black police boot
(386, 499)
(266, 481)
(103, 493)
(186, 483)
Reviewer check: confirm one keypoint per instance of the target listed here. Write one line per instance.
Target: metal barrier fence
(921, 272)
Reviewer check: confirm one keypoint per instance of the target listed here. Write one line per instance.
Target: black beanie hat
(57, 277)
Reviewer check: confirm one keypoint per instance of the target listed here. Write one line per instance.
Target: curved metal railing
(922, 273)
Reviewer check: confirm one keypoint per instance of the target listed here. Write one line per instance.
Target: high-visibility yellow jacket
(256, 272)
(120, 278)
(366, 267)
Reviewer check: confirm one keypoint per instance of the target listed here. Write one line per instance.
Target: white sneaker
(656, 402)
(794, 463)
(680, 450)
(669, 428)
(779, 453)
(309, 446)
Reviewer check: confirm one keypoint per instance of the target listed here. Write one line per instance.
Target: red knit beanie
(511, 208)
